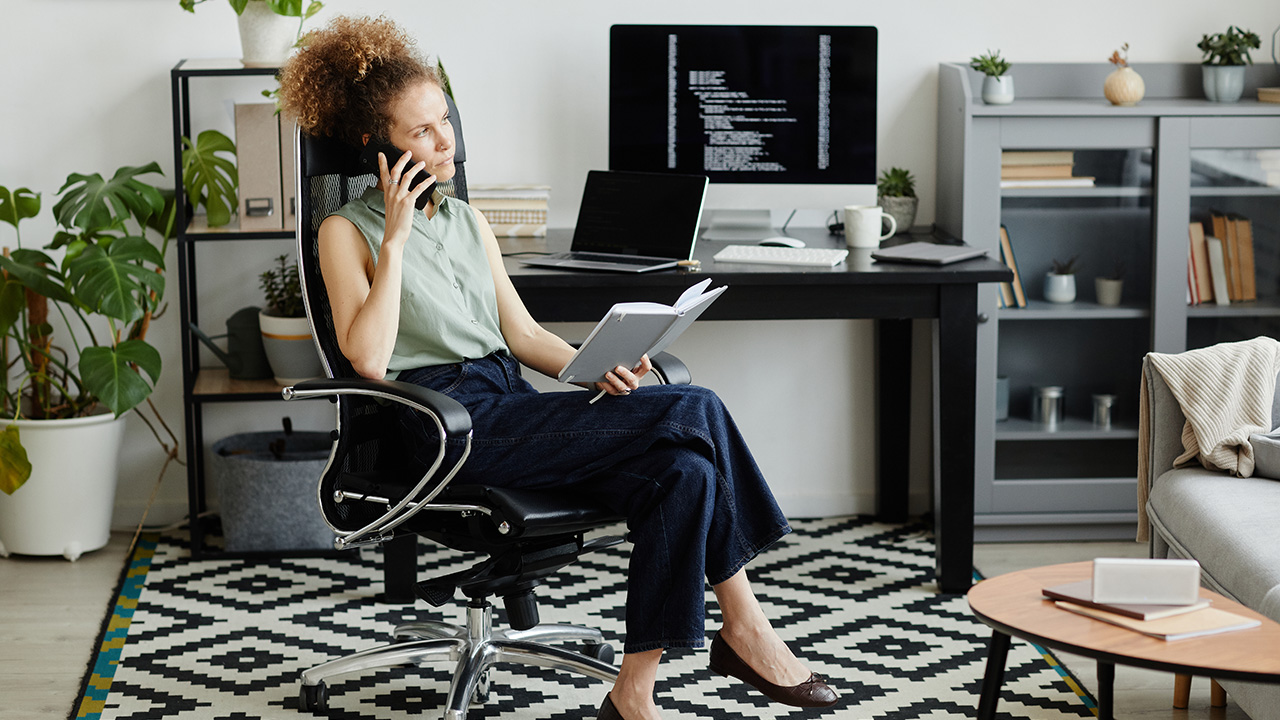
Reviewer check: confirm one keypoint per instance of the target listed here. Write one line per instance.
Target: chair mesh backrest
(369, 440)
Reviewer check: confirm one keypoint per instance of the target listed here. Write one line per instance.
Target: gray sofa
(1230, 525)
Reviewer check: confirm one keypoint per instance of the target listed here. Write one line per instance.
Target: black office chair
(372, 491)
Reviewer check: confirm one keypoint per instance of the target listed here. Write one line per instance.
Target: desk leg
(893, 401)
(997, 651)
(1106, 688)
(957, 371)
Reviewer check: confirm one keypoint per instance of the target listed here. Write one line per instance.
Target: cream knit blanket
(1225, 392)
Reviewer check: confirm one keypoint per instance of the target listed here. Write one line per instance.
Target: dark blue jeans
(668, 457)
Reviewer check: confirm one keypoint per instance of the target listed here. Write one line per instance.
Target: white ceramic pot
(291, 351)
(1059, 288)
(1223, 83)
(997, 90)
(1108, 290)
(266, 39)
(65, 507)
(1124, 87)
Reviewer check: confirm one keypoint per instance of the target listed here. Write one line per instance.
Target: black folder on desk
(633, 222)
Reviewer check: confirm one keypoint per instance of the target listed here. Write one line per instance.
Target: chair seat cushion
(1230, 525)
(535, 512)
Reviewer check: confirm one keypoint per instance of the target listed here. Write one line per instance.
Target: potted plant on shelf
(1060, 283)
(1110, 288)
(67, 405)
(267, 31)
(1123, 86)
(997, 86)
(286, 334)
(896, 193)
(1225, 55)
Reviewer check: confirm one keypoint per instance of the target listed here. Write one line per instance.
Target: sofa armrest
(1164, 440)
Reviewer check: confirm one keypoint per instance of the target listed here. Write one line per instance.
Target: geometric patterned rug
(226, 639)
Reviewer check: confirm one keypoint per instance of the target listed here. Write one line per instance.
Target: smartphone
(369, 162)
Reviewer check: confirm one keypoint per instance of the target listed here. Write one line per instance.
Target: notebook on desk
(633, 222)
(927, 253)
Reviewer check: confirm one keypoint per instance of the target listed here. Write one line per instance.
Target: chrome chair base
(475, 648)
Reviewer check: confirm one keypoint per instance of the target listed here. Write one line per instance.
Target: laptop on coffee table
(633, 222)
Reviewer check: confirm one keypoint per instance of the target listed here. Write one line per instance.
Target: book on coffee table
(1205, 621)
(1081, 593)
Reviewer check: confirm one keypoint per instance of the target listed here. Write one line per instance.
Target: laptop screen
(639, 213)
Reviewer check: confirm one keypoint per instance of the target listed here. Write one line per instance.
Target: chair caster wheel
(602, 652)
(313, 698)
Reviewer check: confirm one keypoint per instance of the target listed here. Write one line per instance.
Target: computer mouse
(782, 241)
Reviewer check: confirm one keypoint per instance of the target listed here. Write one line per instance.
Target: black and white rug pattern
(227, 639)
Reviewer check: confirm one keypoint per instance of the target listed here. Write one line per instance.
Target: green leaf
(13, 299)
(113, 281)
(37, 271)
(18, 205)
(239, 6)
(210, 180)
(107, 373)
(92, 204)
(313, 7)
(289, 8)
(15, 468)
(163, 221)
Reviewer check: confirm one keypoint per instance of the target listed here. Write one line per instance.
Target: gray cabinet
(1173, 159)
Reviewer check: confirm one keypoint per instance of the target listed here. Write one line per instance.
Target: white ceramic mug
(863, 225)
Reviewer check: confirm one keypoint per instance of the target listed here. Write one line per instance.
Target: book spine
(1217, 265)
(1248, 269)
(1200, 254)
(1011, 260)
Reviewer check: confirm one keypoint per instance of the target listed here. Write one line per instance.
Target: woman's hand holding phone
(401, 193)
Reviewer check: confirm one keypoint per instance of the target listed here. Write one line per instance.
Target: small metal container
(1047, 406)
(1102, 405)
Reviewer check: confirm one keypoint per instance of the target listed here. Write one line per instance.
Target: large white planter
(1223, 83)
(291, 351)
(65, 507)
(266, 39)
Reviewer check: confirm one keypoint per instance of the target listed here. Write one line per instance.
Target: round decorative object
(291, 351)
(266, 39)
(1108, 290)
(1124, 87)
(997, 90)
(1060, 288)
(903, 210)
(1223, 83)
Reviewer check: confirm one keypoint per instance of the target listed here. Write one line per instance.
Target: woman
(422, 295)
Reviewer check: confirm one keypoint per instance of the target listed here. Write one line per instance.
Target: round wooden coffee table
(1013, 606)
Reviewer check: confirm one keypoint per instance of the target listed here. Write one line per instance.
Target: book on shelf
(1231, 264)
(1243, 231)
(1217, 270)
(1081, 593)
(1033, 172)
(1193, 294)
(1269, 94)
(512, 210)
(1198, 264)
(1205, 621)
(515, 230)
(1006, 255)
(1037, 157)
(258, 165)
(1068, 182)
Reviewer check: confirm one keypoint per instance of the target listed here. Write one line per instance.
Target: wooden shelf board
(217, 381)
(1015, 429)
(199, 229)
(1264, 307)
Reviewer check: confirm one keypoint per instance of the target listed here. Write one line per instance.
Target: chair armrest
(670, 369)
(1165, 423)
(452, 415)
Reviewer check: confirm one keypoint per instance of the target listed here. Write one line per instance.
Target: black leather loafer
(813, 692)
(608, 711)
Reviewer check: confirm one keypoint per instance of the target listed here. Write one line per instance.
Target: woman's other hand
(399, 200)
(622, 381)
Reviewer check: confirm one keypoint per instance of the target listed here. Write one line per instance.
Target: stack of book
(1011, 293)
(1269, 94)
(1040, 168)
(1221, 267)
(1167, 622)
(512, 210)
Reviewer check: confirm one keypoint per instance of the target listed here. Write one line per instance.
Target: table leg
(1106, 688)
(957, 372)
(893, 425)
(997, 651)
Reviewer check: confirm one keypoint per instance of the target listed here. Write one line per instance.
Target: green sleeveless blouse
(448, 307)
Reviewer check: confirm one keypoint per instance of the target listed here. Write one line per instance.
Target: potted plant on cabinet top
(1110, 288)
(58, 453)
(286, 334)
(997, 86)
(1060, 283)
(1123, 86)
(896, 193)
(267, 33)
(1225, 55)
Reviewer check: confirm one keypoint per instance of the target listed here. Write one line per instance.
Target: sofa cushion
(1266, 455)
(1230, 524)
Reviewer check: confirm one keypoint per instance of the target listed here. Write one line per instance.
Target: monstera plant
(105, 290)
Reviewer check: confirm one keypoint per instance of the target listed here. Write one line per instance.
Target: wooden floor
(50, 612)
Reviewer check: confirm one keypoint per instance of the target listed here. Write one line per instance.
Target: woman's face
(420, 124)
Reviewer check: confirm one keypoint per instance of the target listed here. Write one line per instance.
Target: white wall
(85, 88)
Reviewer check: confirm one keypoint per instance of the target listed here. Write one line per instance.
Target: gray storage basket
(269, 503)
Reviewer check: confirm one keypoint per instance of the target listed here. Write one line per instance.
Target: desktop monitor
(778, 117)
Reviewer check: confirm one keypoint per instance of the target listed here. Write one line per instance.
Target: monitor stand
(738, 225)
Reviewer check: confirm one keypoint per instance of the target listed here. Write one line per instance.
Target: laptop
(927, 253)
(633, 222)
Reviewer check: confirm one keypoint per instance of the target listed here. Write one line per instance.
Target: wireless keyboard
(769, 255)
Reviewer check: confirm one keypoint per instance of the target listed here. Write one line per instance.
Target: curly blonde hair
(344, 77)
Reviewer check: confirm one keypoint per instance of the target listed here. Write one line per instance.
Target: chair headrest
(330, 156)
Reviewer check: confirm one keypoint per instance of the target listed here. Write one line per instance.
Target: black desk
(891, 294)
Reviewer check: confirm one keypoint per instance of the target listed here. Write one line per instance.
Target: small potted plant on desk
(1123, 86)
(997, 86)
(1060, 283)
(286, 334)
(1225, 55)
(896, 191)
